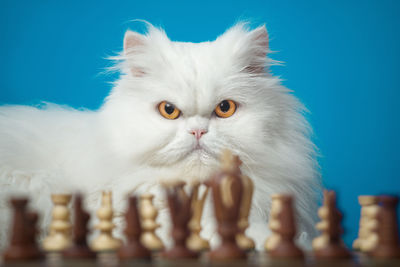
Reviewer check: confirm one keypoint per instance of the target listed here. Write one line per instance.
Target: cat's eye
(225, 108)
(168, 110)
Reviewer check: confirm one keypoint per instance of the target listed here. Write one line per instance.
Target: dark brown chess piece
(286, 229)
(334, 247)
(227, 190)
(179, 204)
(23, 244)
(133, 230)
(388, 234)
(79, 248)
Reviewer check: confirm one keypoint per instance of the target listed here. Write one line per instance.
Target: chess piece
(333, 247)
(245, 242)
(388, 235)
(133, 230)
(59, 237)
(227, 191)
(23, 245)
(195, 242)
(367, 234)
(179, 204)
(105, 241)
(148, 214)
(283, 226)
(79, 248)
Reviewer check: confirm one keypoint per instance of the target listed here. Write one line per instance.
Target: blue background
(341, 59)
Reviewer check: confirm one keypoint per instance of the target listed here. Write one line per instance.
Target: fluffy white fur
(128, 146)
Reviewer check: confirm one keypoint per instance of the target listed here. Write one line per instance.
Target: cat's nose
(198, 133)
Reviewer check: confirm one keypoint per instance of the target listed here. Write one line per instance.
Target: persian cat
(174, 108)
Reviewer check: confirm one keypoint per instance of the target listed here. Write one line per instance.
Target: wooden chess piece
(179, 204)
(227, 191)
(148, 214)
(245, 242)
(59, 237)
(105, 241)
(79, 248)
(367, 234)
(133, 230)
(23, 245)
(283, 225)
(388, 234)
(333, 248)
(195, 242)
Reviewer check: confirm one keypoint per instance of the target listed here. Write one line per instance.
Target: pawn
(60, 228)
(105, 240)
(133, 231)
(282, 224)
(332, 246)
(148, 215)
(388, 235)
(79, 248)
(243, 241)
(195, 242)
(23, 245)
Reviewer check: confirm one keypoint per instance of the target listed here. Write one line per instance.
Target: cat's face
(179, 105)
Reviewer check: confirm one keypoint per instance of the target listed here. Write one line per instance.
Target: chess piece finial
(227, 192)
(367, 236)
(133, 231)
(79, 248)
(148, 214)
(23, 245)
(179, 203)
(388, 234)
(283, 226)
(333, 246)
(195, 242)
(105, 241)
(59, 237)
(245, 242)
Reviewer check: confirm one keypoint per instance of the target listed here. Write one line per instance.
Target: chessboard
(66, 244)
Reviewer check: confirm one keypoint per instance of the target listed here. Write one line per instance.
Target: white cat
(175, 107)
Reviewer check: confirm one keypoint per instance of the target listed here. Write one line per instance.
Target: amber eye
(225, 109)
(168, 110)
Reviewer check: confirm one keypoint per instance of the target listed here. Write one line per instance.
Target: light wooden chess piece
(274, 224)
(59, 237)
(283, 226)
(195, 242)
(330, 245)
(148, 215)
(105, 240)
(367, 234)
(322, 240)
(243, 241)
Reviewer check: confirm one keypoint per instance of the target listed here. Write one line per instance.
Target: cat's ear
(134, 43)
(258, 49)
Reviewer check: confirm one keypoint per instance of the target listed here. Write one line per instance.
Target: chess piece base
(196, 243)
(57, 242)
(106, 242)
(134, 251)
(79, 252)
(244, 242)
(14, 253)
(386, 252)
(179, 252)
(332, 252)
(151, 241)
(286, 250)
(227, 252)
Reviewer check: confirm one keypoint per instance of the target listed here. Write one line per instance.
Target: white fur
(128, 146)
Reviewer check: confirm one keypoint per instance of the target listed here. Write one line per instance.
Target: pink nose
(198, 133)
